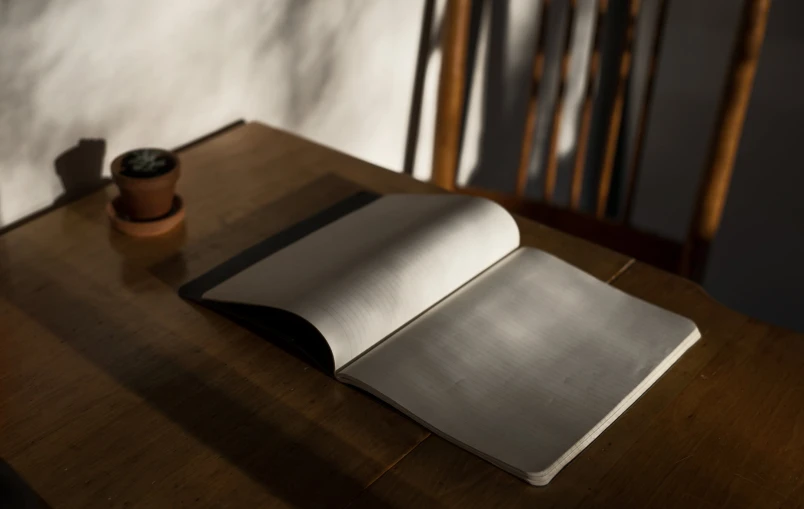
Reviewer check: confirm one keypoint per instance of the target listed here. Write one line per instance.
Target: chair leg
(451, 87)
(723, 153)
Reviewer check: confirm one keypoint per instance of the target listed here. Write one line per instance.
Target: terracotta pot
(147, 181)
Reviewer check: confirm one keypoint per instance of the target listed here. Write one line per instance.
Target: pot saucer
(150, 227)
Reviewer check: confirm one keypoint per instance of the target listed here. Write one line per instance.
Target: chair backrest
(593, 75)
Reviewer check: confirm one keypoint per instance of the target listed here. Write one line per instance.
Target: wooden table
(116, 393)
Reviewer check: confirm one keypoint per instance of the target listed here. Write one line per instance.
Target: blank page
(362, 277)
(527, 364)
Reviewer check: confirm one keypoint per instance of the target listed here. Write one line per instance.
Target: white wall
(159, 72)
(162, 72)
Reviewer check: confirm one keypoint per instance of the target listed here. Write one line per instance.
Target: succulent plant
(146, 163)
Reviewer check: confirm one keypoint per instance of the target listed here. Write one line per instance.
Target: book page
(362, 277)
(527, 364)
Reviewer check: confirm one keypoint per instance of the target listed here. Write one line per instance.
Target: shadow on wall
(304, 49)
(428, 42)
(310, 69)
(80, 170)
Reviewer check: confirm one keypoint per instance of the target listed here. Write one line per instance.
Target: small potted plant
(147, 181)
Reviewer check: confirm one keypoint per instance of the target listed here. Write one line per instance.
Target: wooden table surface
(114, 392)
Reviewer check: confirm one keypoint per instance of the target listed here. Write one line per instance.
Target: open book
(429, 303)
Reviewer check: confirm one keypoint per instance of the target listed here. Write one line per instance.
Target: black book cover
(271, 323)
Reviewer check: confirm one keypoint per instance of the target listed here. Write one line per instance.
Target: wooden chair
(576, 192)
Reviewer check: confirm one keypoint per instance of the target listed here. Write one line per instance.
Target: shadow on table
(15, 493)
(260, 447)
(134, 252)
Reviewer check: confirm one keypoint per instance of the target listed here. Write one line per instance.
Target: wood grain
(116, 393)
